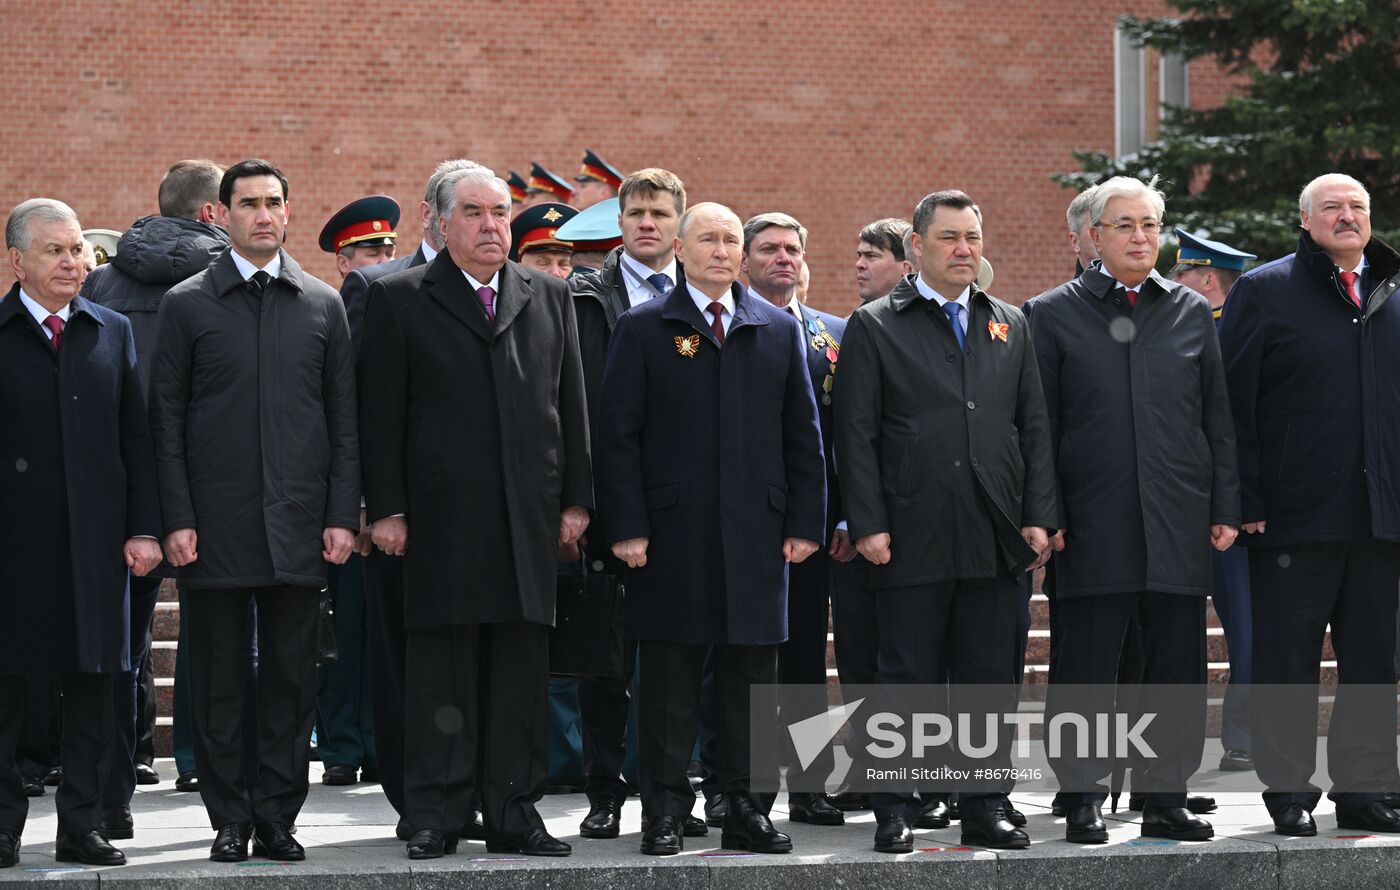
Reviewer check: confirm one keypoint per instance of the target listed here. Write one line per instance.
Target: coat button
(1353, 321)
(971, 404)
(950, 356)
(974, 463)
(597, 565)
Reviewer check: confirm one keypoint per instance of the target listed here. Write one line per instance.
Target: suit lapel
(448, 286)
(516, 292)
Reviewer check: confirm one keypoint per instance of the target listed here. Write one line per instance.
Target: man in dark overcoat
(712, 479)
(475, 443)
(1145, 452)
(1310, 342)
(943, 453)
(253, 412)
(77, 510)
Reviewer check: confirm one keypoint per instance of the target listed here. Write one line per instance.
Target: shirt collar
(429, 252)
(637, 285)
(494, 283)
(246, 268)
(39, 312)
(795, 308)
(929, 293)
(702, 302)
(1360, 267)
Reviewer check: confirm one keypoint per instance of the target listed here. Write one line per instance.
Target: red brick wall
(836, 112)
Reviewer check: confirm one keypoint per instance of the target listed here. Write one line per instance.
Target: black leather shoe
(748, 828)
(187, 782)
(715, 808)
(340, 774)
(1295, 821)
(429, 843)
(892, 835)
(473, 830)
(9, 849)
(230, 844)
(851, 801)
(54, 777)
(1200, 804)
(87, 847)
(116, 824)
(146, 774)
(991, 828)
(1057, 806)
(1013, 815)
(1177, 823)
(32, 787)
(537, 842)
(1234, 760)
(273, 840)
(604, 819)
(1084, 825)
(1375, 816)
(566, 785)
(814, 809)
(403, 831)
(933, 813)
(663, 837)
(693, 826)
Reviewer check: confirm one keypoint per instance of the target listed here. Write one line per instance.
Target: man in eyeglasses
(1145, 449)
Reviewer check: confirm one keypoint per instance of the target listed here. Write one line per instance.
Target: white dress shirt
(703, 302)
(635, 275)
(246, 268)
(429, 253)
(40, 313)
(929, 293)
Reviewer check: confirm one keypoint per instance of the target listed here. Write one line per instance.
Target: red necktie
(1349, 282)
(55, 326)
(1132, 298)
(717, 309)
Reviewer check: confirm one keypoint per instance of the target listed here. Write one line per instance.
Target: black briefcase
(586, 643)
(326, 649)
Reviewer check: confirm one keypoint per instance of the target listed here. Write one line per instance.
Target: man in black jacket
(943, 452)
(253, 412)
(155, 254)
(1145, 451)
(1308, 341)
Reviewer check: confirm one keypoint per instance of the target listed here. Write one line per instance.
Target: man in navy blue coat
(774, 246)
(1308, 343)
(78, 509)
(712, 476)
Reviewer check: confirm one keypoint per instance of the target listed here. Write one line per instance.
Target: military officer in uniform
(535, 242)
(597, 181)
(544, 186)
(594, 233)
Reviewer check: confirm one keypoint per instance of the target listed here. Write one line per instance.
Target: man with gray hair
(1308, 341)
(1081, 242)
(78, 510)
(1140, 424)
(475, 440)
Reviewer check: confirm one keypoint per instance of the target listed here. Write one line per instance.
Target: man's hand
(797, 549)
(1037, 540)
(337, 544)
(390, 534)
(842, 550)
(1057, 540)
(180, 547)
(142, 555)
(632, 551)
(1222, 536)
(572, 524)
(875, 548)
(568, 552)
(364, 541)
(1254, 528)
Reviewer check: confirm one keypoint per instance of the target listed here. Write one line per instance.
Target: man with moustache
(253, 415)
(1308, 342)
(712, 480)
(77, 511)
(475, 356)
(774, 247)
(1145, 450)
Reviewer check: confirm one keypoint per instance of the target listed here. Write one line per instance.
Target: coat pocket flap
(662, 496)
(777, 497)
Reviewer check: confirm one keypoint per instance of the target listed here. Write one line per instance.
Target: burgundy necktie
(487, 296)
(1349, 282)
(1132, 298)
(717, 309)
(55, 326)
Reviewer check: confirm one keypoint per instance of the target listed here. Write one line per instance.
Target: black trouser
(669, 717)
(1092, 630)
(966, 632)
(344, 713)
(86, 750)
(1298, 591)
(219, 627)
(855, 623)
(146, 705)
(121, 780)
(476, 715)
(42, 728)
(387, 649)
(603, 709)
(802, 659)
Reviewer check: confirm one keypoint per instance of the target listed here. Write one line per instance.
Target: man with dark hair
(880, 258)
(253, 411)
(77, 510)
(154, 254)
(947, 512)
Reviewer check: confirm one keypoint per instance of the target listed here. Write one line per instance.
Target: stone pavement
(349, 836)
